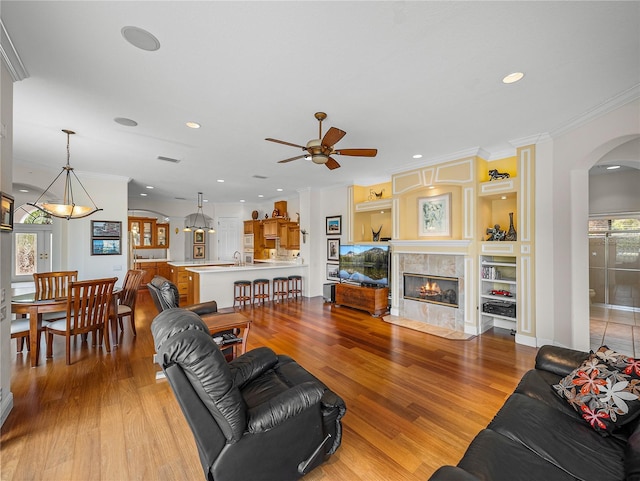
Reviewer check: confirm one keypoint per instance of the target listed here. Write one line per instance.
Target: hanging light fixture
(199, 227)
(67, 208)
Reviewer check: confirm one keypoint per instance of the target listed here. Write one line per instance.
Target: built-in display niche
(433, 289)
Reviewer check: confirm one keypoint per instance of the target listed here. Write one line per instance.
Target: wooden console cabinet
(374, 300)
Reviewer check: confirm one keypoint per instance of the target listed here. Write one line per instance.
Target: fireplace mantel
(452, 247)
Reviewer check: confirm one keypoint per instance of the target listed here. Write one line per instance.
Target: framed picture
(333, 249)
(434, 215)
(198, 237)
(6, 214)
(105, 247)
(333, 272)
(106, 228)
(334, 225)
(198, 251)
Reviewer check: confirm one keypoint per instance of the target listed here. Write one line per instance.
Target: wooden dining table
(27, 304)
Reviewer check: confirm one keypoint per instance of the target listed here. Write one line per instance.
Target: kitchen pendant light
(66, 208)
(199, 227)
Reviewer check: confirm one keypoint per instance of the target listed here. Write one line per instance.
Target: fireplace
(433, 289)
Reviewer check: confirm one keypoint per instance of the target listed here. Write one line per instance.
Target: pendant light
(66, 208)
(199, 227)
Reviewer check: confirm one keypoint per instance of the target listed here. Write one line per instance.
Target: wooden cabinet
(162, 236)
(256, 228)
(374, 300)
(148, 234)
(271, 228)
(293, 236)
(180, 277)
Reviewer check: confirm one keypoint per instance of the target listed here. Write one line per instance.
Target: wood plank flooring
(414, 401)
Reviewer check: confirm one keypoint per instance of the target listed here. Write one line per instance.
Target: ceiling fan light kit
(321, 149)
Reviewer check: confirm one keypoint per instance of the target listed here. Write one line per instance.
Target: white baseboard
(6, 403)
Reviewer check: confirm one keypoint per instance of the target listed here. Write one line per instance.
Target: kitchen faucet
(237, 257)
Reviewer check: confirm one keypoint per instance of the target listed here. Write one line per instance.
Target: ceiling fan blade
(287, 143)
(292, 158)
(357, 152)
(332, 164)
(332, 136)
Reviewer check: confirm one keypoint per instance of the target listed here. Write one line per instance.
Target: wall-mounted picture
(198, 237)
(198, 251)
(434, 215)
(334, 225)
(333, 249)
(105, 247)
(6, 214)
(106, 228)
(333, 272)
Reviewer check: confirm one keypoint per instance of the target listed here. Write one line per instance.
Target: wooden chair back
(130, 286)
(53, 285)
(88, 304)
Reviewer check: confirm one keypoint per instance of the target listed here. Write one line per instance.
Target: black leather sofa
(259, 417)
(538, 436)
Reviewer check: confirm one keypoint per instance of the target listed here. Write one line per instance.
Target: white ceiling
(402, 77)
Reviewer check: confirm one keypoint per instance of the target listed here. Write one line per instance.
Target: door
(31, 251)
(228, 237)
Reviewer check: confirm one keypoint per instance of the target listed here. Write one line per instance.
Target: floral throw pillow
(605, 389)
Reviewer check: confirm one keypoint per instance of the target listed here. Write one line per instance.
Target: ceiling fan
(321, 149)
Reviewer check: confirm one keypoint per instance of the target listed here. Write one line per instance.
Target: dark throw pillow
(605, 389)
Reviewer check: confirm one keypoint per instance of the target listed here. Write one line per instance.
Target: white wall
(566, 271)
(614, 192)
(6, 176)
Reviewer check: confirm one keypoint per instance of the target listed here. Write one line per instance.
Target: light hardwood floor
(414, 401)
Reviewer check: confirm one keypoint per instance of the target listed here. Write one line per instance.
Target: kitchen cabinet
(148, 234)
(293, 236)
(162, 236)
(256, 228)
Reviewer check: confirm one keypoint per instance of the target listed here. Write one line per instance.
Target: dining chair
(20, 332)
(88, 305)
(128, 296)
(53, 285)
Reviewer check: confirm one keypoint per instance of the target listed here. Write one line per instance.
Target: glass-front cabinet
(147, 233)
(162, 235)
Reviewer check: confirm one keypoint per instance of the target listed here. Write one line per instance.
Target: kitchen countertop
(140, 260)
(249, 267)
(198, 263)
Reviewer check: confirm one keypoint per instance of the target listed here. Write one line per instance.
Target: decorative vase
(254, 215)
(511, 233)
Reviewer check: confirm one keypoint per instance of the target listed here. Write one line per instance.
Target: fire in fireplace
(434, 289)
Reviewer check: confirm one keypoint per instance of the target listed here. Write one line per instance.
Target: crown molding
(10, 55)
(605, 107)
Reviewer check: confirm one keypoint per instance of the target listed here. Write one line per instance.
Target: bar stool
(295, 285)
(261, 290)
(241, 293)
(280, 288)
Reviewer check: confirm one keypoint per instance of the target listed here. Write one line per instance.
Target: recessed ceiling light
(143, 194)
(612, 167)
(279, 190)
(149, 187)
(504, 197)
(126, 122)
(24, 190)
(205, 200)
(140, 38)
(417, 156)
(221, 180)
(241, 200)
(260, 195)
(513, 77)
(193, 125)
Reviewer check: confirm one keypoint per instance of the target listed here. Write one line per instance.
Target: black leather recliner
(259, 417)
(165, 295)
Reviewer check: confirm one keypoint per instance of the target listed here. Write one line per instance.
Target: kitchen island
(216, 282)
(182, 279)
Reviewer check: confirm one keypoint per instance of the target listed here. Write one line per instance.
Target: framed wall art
(333, 272)
(434, 215)
(105, 247)
(333, 249)
(106, 229)
(334, 225)
(198, 237)
(6, 213)
(198, 251)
